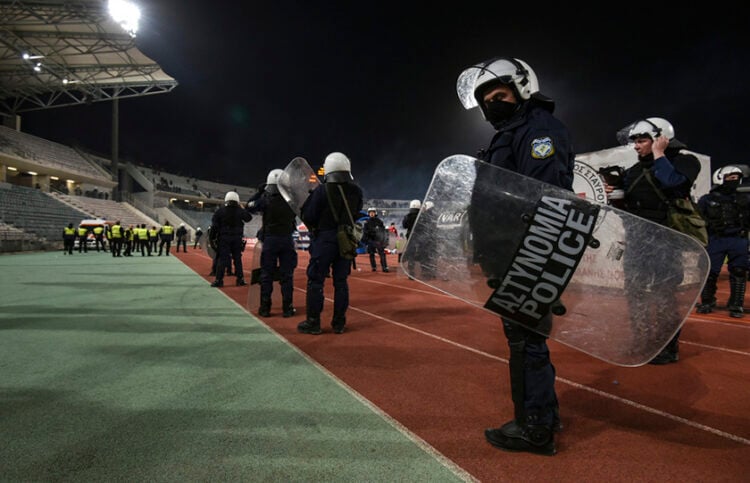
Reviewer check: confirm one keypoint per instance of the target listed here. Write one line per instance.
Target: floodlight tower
(127, 15)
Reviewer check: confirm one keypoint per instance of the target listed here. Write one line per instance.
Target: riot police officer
(278, 254)
(727, 214)
(325, 258)
(228, 223)
(376, 238)
(663, 172)
(408, 223)
(532, 142)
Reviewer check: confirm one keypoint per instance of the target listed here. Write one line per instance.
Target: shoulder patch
(542, 148)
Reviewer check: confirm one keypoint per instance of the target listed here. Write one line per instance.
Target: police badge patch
(542, 148)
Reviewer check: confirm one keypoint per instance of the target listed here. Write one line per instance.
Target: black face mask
(498, 112)
(729, 186)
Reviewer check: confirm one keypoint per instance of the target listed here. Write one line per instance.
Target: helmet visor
(465, 86)
(623, 135)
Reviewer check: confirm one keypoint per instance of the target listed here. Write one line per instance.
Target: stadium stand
(32, 148)
(106, 209)
(35, 213)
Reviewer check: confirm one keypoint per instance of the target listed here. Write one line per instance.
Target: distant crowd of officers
(125, 241)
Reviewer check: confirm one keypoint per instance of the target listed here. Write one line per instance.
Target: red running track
(439, 367)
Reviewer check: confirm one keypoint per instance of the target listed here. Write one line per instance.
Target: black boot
(338, 323)
(265, 307)
(528, 436)
(737, 282)
(240, 282)
(311, 325)
(288, 308)
(671, 353)
(708, 294)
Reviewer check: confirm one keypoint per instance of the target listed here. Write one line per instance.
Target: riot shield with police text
(601, 280)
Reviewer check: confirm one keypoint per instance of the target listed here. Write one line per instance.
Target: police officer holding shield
(530, 141)
(278, 253)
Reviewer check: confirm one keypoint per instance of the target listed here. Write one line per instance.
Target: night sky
(264, 82)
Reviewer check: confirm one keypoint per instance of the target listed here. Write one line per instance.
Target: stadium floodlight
(126, 14)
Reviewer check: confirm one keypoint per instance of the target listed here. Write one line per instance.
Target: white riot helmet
(721, 173)
(474, 81)
(273, 176)
(231, 196)
(338, 165)
(415, 204)
(272, 180)
(372, 209)
(652, 127)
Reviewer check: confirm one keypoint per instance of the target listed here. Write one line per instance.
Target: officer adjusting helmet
(230, 197)
(415, 204)
(337, 168)
(272, 180)
(652, 127)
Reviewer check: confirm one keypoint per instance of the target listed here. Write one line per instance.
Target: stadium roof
(83, 55)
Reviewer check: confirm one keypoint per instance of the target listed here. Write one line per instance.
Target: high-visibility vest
(153, 233)
(98, 230)
(82, 232)
(167, 229)
(69, 231)
(142, 233)
(116, 231)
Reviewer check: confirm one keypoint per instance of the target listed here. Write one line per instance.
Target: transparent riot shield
(206, 244)
(297, 182)
(605, 282)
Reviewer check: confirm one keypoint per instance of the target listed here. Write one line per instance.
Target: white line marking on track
(702, 427)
